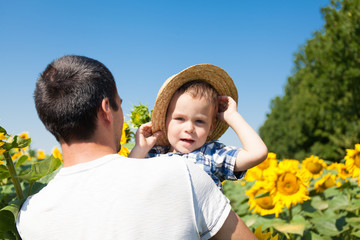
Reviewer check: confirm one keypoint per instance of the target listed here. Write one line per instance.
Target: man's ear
(105, 112)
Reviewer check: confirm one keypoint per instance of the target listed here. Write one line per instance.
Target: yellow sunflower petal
(353, 161)
(290, 186)
(124, 151)
(40, 154)
(313, 166)
(24, 135)
(2, 136)
(326, 182)
(263, 205)
(57, 154)
(260, 235)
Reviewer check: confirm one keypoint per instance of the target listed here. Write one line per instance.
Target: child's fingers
(157, 134)
(223, 103)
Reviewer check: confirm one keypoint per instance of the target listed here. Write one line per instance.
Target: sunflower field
(308, 199)
(278, 199)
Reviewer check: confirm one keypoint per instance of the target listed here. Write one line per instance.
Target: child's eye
(200, 121)
(179, 119)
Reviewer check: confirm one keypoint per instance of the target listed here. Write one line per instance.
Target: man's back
(121, 198)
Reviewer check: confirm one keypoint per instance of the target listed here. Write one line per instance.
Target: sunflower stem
(290, 213)
(286, 235)
(14, 178)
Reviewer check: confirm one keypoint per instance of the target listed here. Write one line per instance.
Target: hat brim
(215, 76)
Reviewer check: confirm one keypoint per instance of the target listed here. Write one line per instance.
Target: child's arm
(144, 140)
(255, 150)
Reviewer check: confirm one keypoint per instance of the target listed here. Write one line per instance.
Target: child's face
(189, 122)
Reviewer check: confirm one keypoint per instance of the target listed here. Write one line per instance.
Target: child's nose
(189, 127)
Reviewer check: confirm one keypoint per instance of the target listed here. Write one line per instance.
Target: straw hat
(211, 74)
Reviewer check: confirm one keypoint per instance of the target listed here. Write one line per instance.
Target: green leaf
(41, 169)
(140, 115)
(250, 220)
(262, 195)
(19, 142)
(14, 207)
(8, 236)
(330, 192)
(354, 205)
(354, 222)
(295, 228)
(2, 130)
(356, 234)
(8, 216)
(7, 146)
(42, 182)
(318, 203)
(21, 160)
(7, 220)
(339, 202)
(315, 236)
(4, 172)
(325, 226)
(268, 222)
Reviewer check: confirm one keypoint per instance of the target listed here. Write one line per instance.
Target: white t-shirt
(115, 197)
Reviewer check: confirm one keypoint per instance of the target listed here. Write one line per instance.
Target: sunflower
(313, 167)
(253, 174)
(289, 163)
(124, 138)
(290, 184)
(1, 149)
(40, 154)
(16, 155)
(353, 160)
(124, 151)
(264, 236)
(57, 154)
(257, 172)
(24, 135)
(326, 182)
(263, 205)
(2, 136)
(341, 170)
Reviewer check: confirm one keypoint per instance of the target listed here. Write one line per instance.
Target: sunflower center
(265, 202)
(357, 159)
(329, 183)
(344, 171)
(314, 167)
(288, 184)
(264, 165)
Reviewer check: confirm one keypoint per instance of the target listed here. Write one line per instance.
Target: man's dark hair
(68, 96)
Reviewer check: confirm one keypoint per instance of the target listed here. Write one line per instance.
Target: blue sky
(145, 42)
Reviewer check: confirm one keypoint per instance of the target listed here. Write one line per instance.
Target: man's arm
(234, 229)
(254, 149)
(213, 214)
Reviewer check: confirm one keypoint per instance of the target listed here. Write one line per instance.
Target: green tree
(319, 112)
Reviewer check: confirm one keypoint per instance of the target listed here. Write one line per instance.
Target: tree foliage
(319, 112)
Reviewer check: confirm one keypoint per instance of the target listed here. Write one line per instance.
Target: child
(192, 110)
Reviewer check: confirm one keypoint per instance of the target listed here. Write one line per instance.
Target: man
(99, 194)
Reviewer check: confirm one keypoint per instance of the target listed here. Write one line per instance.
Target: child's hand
(227, 107)
(145, 139)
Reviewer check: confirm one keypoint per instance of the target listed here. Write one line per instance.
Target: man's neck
(81, 152)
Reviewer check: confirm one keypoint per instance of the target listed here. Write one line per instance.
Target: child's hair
(201, 89)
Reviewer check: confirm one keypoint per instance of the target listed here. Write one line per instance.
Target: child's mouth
(187, 140)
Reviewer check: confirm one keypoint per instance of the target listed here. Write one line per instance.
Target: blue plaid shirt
(214, 157)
